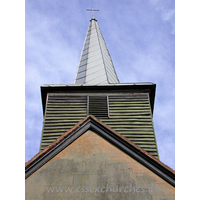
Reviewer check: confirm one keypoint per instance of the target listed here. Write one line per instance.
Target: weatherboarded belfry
(126, 108)
(98, 139)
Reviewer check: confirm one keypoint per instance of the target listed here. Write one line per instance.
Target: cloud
(168, 15)
(167, 10)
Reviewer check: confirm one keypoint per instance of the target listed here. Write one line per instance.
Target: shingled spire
(95, 65)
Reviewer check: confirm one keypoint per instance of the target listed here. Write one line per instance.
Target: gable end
(91, 123)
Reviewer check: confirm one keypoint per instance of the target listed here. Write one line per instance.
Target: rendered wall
(92, 168)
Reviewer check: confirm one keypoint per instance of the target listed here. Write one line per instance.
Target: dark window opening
(98, 106)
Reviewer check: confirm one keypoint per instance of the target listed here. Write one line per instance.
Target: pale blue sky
(140, 37)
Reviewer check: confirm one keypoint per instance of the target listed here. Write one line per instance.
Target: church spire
(95, 65)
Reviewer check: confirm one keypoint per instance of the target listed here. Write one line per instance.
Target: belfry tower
(98, 139)
(126, 108)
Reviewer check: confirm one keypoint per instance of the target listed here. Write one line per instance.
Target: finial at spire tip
(92, 12)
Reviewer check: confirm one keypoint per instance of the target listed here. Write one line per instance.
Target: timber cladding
(127, 113)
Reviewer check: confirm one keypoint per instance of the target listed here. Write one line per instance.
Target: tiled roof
(95, 66)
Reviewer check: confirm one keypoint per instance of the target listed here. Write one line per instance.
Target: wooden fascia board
(147, 88)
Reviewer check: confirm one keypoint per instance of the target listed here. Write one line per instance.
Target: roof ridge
(64, 135)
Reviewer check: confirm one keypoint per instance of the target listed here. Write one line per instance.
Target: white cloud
(167, 13)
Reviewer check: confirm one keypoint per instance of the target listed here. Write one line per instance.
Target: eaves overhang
(105, 88)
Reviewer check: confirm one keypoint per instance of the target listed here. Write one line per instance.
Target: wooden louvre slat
(128, 114)
(62, 113)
